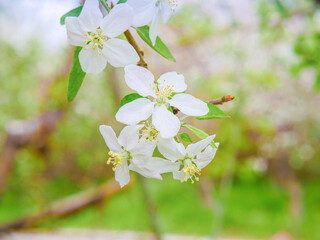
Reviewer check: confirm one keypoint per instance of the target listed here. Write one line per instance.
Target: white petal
(144, 171)
(90, 16)
(153, 32)
(75, 32)
(174, 80)
(110, 138)
(171, 150)
(91, 61)
(122, 174)
(179, 175)
(166, 11)
(129, 137)
(135, 111)
(144, 148)
(205, 157)
(117, 21)
(139, 79)
(143, 11)
(160, 165)
(119, 53)
(165, 122)
(196, 148)
(189, 105)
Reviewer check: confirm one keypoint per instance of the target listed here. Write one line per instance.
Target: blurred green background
(264, 179)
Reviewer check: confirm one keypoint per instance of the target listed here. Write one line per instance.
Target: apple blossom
(161, 91)
(96, 34)
(146, 11)
(128, 153)
(190, 160)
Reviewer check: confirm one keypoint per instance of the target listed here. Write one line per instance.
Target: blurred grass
(253, 208)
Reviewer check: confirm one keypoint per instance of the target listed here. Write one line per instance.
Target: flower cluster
(151, 122)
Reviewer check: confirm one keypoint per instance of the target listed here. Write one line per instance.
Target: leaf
(185, 137)
(122, 1)
(199, 133)
(72, 13)
(129, 98)
(76, 76)
(159, 47)
(214, 113)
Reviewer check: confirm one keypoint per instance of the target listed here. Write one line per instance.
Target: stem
(131, 40)
(105, 5)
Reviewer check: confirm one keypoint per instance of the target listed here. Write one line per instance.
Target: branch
(222, 100)
(131, 40)
(67, 206)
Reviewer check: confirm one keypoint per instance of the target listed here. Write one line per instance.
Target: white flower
(97, 37)
(127, 153)
(146, 11)
(191, 160)
(142, 81)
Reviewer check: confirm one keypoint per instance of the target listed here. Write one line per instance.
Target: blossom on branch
(96, 34)
(189, 160)
(128, 153)
(165, 92)
(146, 11)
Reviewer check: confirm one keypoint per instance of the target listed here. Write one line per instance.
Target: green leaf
(159, 47)
(199, 133)
(122, 1)
(76, 76)
(72, 13)
(214, 113)
(129, 98)
(185, 137)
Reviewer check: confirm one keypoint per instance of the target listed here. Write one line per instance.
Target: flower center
(95, 41)
(117, 159)
(149, 132)
(163, 92)
(190, 170)
(172, 3)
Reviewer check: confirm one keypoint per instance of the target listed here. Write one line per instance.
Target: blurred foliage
(274, 129)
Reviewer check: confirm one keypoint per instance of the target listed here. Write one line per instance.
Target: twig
(67, 206)
(222, 100)
(131, 40)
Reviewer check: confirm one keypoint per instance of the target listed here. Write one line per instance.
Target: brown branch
(67, 206)
(222, 100)
(131, 40)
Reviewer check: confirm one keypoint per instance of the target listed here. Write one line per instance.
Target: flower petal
(170, 149)
(174, 80)
(119, 53)
(189, 105)
(153, 32)
(110, 138)
(91, 61)
(165, 122)
(143, 11)
(205, 157)
(75, 32)
(179, 175)
(122, 174)
(165, 11)
(139, 79)
(129, 137)
(135, 111)
(117, 21)
(160, 165)
(143, 148)
(195, 148)
(90, 16)
(144, 171)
